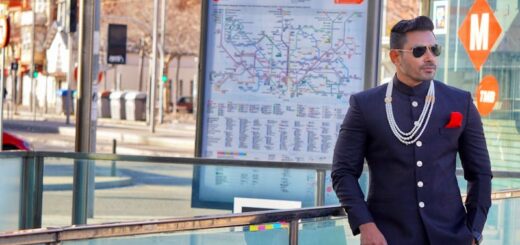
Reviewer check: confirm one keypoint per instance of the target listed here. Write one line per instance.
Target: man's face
(413, 70)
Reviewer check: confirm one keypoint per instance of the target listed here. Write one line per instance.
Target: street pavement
(49, 132)
(138, 191)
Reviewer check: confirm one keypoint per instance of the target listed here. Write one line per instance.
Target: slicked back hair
(398, 33)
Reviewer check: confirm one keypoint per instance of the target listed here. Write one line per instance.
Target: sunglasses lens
(419, 51)
(436, 50)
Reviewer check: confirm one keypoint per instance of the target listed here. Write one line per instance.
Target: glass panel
(57, 192)
(124, 191)
(503, 226)
(497, 184)
(502, 125)
(144, 190)
(10, 175)
(272, 234)
(217, 186)
(329, 230)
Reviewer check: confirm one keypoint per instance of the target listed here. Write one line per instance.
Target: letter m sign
(479, 32)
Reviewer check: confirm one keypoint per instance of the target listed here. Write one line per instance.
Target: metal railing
(33, 162)
(59, 235)
(32, 189)
(292, 217)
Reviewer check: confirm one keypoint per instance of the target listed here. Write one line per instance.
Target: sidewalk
(49, 132)
(172, 138)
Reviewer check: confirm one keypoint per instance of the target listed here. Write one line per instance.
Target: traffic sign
(5, 29)
(479, 32)
(487, 95)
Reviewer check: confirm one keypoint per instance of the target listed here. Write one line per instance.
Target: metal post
(13, 93)
(114, 85)
(372, 44)
(114, 151)
(163, 34)
(153, 82)
(176, 85)
(31, 75)
(70, 76)
(161, 85)
(94, 97)
(30, 214)
(149, 91)
(141, 64)
(119, 78)
(84, 106)
(320, 187)
(293, 232)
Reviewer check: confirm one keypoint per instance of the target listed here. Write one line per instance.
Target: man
(409, 131)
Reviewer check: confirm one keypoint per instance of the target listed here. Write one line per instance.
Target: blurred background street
(145, 190)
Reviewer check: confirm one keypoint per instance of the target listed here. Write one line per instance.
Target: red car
(11, 142)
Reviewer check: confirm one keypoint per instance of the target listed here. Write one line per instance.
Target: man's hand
(370, 235)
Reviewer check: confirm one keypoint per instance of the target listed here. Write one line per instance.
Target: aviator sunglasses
(419, 51)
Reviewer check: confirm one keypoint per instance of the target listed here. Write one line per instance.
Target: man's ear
(394, 56)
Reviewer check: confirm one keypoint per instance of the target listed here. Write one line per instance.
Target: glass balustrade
(10, 188)
(130, 189)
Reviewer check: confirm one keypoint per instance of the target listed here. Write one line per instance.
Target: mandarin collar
(418, 90)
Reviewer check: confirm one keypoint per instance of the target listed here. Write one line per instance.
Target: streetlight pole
(84, 107)
(153, 82)
(163, 28)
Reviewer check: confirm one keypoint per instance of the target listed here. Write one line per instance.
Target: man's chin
(428, 77)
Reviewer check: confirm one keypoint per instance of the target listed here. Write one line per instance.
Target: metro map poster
(277, 77)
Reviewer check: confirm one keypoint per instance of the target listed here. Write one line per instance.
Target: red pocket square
(455, 120)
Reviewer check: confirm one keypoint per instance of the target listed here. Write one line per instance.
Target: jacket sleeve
(477, 170)
(347, 167)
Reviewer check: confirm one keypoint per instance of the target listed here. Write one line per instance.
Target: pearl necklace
(410, 137)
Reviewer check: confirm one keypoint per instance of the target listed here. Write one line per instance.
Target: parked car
(185, 103)
(12, 142)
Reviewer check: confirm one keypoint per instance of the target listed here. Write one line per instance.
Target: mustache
(429, 65)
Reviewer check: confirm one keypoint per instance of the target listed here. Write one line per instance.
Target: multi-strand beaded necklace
(419, 126)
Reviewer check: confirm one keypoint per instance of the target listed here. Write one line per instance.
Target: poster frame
(372, 62)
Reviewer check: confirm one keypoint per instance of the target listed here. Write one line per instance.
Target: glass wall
(10, 172)
(458, 68)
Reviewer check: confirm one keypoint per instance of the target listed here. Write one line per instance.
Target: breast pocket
(450, 134)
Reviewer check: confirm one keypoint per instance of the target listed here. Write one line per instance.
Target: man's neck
(408, 81)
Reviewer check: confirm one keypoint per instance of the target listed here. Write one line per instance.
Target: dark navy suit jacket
(395, 169)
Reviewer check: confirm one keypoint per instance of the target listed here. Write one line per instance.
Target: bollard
(113, 168)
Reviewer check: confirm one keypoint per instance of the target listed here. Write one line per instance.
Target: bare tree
(182, 24)
(181, 35)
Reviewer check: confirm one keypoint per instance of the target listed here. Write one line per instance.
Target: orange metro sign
(479, 32)
(487, 95)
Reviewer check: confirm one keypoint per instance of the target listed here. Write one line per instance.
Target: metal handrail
(30, 214)
(168, 160)
(198, 161)
(69, 233)
(60, 234)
